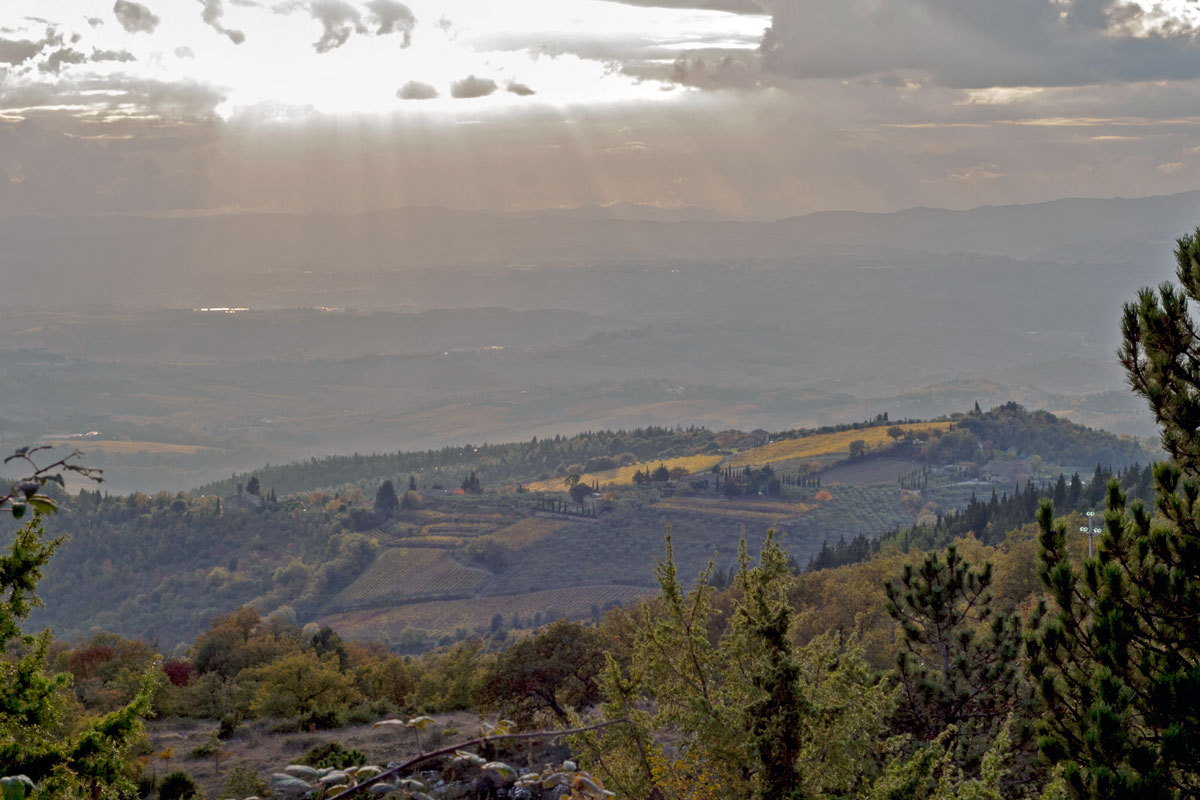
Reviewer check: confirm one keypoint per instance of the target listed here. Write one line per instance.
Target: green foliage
(302, 686)
(556, 669)
(386, 501)
(957, 666)
(64, 756)
(244, 782)
(742, 704)
(178, 785)
(1058, 441)
(1117, 655)
(333, 754)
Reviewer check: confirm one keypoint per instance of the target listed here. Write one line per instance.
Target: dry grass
(527, 532)
(824, 444)
(623, 476)
(256, 747)
(439, 617)
(401, 572)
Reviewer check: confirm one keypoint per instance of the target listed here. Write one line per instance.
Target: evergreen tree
(1117, 656)
(386, 500)
(957, 664)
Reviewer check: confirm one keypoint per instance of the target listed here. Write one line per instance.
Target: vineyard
(851, 510)
(440, 617)
(623, 476)
(824, 444)
(401, 573)
(527, 532)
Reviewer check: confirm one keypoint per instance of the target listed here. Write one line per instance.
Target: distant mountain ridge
(1071, 230)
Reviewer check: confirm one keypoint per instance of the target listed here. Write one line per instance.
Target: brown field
(623, 476)
(401, 573)
(439, 617)
(824, 444)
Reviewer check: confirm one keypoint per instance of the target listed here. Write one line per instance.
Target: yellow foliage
(825, 444)
(623, 476)
(689, 777)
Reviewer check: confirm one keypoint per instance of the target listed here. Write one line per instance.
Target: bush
(245, 782)
(333, 754)
(177, 786)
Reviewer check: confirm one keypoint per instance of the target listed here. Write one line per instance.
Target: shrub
(177, 786)
(245, 782)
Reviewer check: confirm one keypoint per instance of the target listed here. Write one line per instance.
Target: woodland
(978, 651)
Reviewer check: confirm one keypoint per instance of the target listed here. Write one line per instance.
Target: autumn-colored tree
(556, 669)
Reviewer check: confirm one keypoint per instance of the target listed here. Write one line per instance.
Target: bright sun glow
(478, 53)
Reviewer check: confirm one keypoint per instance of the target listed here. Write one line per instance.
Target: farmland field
(823, 444)
(623, 476)
(867, 472)
(526, 532)
(764, 511)
(401, 573)
(439, 617)
(852, 510)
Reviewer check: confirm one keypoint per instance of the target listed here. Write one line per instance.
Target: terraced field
(439, 617)
(623, 476)
(527, 532)
(401, 574)
(823, 444)
(764, 511)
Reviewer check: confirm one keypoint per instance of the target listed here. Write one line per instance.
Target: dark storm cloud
(392, 17)
(340, 19)
(976, 43)
(472, 86)
(212, 13)
(135, 17)
(415, 90)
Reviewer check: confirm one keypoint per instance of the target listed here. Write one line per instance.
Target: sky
(753, 108)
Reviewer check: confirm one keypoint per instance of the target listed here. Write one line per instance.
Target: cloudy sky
(764, 108)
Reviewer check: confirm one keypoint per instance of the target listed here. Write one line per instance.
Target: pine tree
(1117, 656)
(957, 663)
